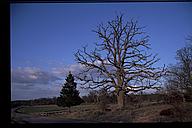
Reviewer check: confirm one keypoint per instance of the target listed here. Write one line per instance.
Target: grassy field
(51, 108)
(131, 113)
(40, 108)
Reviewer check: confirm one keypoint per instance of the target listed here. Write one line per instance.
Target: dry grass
(144, 113)
(148, 113)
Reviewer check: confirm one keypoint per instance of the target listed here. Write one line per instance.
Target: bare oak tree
(120, 61)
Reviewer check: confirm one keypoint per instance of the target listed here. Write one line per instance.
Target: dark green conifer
(69, 95)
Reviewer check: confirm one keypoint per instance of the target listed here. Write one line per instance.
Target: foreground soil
(91, 113)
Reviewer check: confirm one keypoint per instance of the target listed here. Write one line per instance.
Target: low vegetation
(151, 112)
(40, 101)
(39, 108)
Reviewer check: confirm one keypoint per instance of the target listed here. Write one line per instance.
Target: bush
(103, 99)
(98, 113)
(188, 95)
(174, 97)
(166, 112)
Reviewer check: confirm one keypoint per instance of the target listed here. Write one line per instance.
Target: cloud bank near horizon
(33, 82)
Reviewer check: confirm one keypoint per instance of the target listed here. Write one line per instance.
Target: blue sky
(44, 37)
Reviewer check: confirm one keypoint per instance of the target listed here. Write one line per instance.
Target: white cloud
(32, 75)
(98, 62)
(75, 69)
(63, 71)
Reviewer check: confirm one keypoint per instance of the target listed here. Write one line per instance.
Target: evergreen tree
(69, 96)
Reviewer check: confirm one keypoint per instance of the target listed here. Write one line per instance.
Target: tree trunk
(121, 99)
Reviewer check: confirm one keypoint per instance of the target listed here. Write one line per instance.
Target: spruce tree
(69, 95)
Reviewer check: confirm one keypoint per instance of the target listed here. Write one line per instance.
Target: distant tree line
(92, 97)
(98, 96)
(40, 101)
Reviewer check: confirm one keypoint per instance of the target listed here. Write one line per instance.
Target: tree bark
(121, 99)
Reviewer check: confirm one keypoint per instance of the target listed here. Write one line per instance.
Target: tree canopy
(120, 60)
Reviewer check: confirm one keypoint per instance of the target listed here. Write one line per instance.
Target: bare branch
(121, 58)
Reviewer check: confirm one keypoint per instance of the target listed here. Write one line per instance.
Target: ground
(145, 112)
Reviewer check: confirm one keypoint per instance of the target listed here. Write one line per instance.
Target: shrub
(167, 112)
(174, 97)
(188, 95)
(103, 99)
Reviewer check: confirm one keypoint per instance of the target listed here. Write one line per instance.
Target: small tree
(69, 96)
(103, 99)
(179, 76)
(93, 96)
